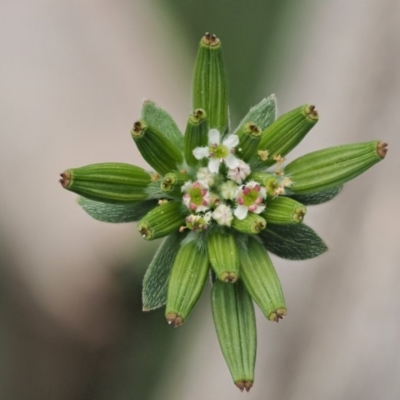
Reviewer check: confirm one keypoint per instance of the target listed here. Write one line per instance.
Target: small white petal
(213, 165)
(241, 212)
(231, 141)
(231, 161)
(201, 152)
(213, 136)
(186, 186)
(259, 209)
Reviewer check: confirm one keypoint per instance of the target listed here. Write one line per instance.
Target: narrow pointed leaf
(317, 198)
(116, 213)
(159, 118)
(293, 242)
(263, 114)
(155, 281)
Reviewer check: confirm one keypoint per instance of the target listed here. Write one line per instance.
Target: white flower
(204, 175)
(197, 196)
(223, 215)
(240, 173)
(229, 190)
(249, 199)
(217, 152)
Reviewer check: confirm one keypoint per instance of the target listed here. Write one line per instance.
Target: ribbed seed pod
(210, 86)
(108, 182)
(249, 138)
(286, 132)
(196, 135)
(172, 182)
(155, 148)
(223, 255)
(162, 220)
(325, 169)
(186, 282)
(235, 323)
(284, 210)
(266, 180)
(251, 225)
(261, 280)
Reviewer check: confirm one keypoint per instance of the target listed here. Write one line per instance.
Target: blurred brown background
(72, 78)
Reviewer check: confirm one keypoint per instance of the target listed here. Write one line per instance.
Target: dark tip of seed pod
(240, 385)
(210, 39)
(311, 112)
(230, 277)
(277, 315)
(174, 319)
(382, 149)
(252, 129)
(145, 231)
(248, 385)
(65, 179)
(138, 128)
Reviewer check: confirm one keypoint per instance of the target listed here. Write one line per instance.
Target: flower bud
(196, 135)
(235, 323)
(283, 210)
(162, 220)
(172, 182)
(186, 282)
(261, 280)
(325, 169)
(223, 255)
(108, 182)
(155, 148)
(249, 138)
(268, 181)
(286, 132)
(210, 86)
(252, 224)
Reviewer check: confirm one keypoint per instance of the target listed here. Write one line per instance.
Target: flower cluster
(222, 200)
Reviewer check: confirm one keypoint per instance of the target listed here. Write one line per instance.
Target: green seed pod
(210, 86)
(172, 182)
(223, 255)
(186, 282)
(249, 138)
(235, 323)
(267, 180)
(286, 132)
(325, 169)
(162, 220)
(196, 135)
(261, 280)
(284, 210)
(108, 182)
(251, 225)
(155, 148)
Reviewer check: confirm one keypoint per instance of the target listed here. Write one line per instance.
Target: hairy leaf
(317, 198)
(293, 242)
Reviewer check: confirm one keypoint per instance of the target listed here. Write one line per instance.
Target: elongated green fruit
(235, 323)
(196, 135)
(155, 148)
(172, 182)
(266, 180)
(162, 220)
(249, 138)
(210, 86)
(186, 282)
(223, 255)
(286, 132)
(325, 169)
(261, 280)
(284, 211)
(251, 225)
(115, 183)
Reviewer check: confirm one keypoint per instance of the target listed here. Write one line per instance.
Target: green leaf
(317, 198)
(155, 281)
(263, 114)
(292, 242)
(160, 119)
(116, 213)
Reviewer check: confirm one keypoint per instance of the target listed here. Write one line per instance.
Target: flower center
(196, 195)
(218, 151)
(250, 196)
